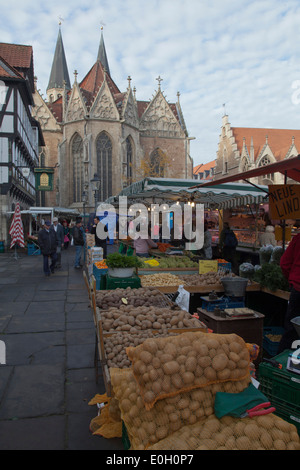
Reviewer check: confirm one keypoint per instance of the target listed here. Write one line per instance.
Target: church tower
(93, 127)
(59, 75)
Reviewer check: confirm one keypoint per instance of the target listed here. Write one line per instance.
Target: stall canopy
(170, 190)
(289, 167)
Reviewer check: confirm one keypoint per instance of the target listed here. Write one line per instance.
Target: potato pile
(135, 297)
(145, 427)
(115, 347)
(164, 366)
(133, 320)
(268, 432)
(161, 279)
(206, 279)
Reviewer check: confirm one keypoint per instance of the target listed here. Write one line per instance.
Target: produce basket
(235, 286)
(296, 323)
(269, 345)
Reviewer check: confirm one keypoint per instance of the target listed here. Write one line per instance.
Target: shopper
(78, 237)
(290, 266)
(268, 236)
(99, 241)
(67, 235)
(48, 244)
(228, 243)
(58, 228)
(206, 250)
(142, 245)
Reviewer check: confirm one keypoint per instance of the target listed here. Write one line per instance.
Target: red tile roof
(7, 71)
(204, 167)
(17, 55)
(93, 80)
(279, 140)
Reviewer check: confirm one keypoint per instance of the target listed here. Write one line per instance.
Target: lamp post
(84, 200)
(95, 182)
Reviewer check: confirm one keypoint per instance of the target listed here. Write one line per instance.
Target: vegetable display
(270, 276)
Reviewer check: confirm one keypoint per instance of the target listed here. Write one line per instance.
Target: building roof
(204, 167)
(93, 81)
(102, 54)
(59, 71)
(20, 57)
(17, 55)
(7, 71)
(279, 140)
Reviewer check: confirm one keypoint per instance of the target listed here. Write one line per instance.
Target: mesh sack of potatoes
(268, 432)
(161, 279)
(115, 346)
(134, 319)
(186, 361)
(145, 427)
(205, 279)
(134, 297)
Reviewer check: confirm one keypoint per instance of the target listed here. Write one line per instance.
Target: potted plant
(122, 265)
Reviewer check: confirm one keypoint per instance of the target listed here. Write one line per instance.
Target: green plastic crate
(125, 439)
(282, 387)
(122, 282)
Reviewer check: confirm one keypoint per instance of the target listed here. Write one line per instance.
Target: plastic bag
(183, 298)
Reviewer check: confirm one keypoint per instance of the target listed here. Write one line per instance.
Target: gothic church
(94, 127)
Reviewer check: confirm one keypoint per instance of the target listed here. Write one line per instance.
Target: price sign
(207, 265)
(284, 201)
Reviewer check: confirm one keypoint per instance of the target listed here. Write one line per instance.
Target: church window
(158, 160)
(127, 164)
(104, 165)
(78, 168)
(266, 179)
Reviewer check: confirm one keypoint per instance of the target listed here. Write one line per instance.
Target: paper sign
(206, 266)
(284, 201)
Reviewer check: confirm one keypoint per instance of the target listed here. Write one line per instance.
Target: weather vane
(60, 20)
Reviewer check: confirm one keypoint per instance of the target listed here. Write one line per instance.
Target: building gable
(130, 112)
(76, 108)
(104, 106)
(158, 119)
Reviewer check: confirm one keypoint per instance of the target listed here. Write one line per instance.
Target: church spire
(59, 71)
(102, 53)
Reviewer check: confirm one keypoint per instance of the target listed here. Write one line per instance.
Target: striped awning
(170, 190)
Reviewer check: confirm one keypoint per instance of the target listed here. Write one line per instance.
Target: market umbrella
(16, 230)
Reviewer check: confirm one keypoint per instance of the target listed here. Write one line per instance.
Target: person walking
(67, 235)
(290, 266)
(48, 245)
(58, 228)
(78, 237)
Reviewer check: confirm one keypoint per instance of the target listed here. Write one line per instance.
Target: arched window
(104, 165)
(127, 164)
(158, 161)
(267, 178)
(78, 169)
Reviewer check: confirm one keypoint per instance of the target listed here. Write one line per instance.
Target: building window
(158, 161)
(104, 165)
(78, 170)
(127, 164)
(266, 179)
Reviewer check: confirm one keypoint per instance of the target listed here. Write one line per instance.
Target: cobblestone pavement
(48, 377)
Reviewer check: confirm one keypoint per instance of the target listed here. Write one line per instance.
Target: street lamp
(84, 200)
(95, 182)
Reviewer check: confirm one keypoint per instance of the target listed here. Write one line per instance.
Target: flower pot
(120, 272)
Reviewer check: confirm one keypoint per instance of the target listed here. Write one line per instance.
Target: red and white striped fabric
(16, 229)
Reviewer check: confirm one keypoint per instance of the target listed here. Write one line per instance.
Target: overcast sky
(241, 53)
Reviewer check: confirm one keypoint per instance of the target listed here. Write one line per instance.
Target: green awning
(170, 190)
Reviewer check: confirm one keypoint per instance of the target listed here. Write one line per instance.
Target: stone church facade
(94, 127)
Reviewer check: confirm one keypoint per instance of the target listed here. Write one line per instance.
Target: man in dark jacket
(99, 241)
(48, 244)
(78, 237)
